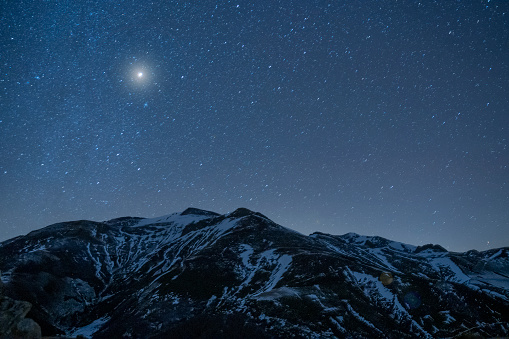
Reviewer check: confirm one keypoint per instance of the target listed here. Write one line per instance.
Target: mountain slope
(198, 273)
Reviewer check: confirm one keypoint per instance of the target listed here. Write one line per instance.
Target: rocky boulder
(13, 321)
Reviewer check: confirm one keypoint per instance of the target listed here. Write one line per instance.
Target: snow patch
(89, 330)
(283, 264)
(495, 255)
(378, 253)
(278, 293)
(439, 264)
(246, 254)
(39, 247)
(211, 300)
(174, 218)
(338, 324)
(97, 264)
(372, 285)
(361, 318)
(490, 279)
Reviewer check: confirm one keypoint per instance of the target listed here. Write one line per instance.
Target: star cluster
(382, 118)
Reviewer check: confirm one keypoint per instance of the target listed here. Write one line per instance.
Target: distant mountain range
(240, 275)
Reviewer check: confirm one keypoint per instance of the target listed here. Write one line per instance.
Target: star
(140, 75)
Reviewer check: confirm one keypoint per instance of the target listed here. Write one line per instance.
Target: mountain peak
(243, 212)
(430, 247)
(197, 211)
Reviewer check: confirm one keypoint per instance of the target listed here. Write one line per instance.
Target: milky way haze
(382, 118)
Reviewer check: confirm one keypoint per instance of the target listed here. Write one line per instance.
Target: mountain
(240, 275)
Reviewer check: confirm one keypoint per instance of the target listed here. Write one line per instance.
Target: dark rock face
(437, 248)
(11, 313)
(201, 274)
(27, 328)
(13, 322)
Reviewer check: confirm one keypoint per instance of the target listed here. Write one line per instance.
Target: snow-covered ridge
(189, 216)
(174, 218)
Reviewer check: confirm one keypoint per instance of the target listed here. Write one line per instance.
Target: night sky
(385, 118)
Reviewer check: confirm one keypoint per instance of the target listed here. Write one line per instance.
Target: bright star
(140, 75)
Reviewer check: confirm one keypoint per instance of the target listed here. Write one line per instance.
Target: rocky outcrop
(27, 328)
(12, 318)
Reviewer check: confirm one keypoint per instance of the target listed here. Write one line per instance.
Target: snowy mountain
(201, 274)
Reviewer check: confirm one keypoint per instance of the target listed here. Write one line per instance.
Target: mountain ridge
(241, 273)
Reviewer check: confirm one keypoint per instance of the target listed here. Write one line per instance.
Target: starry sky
(386, 118)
